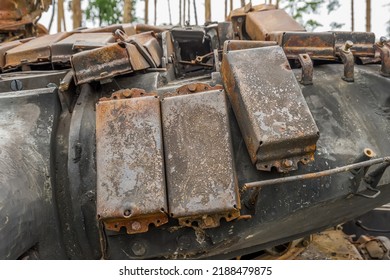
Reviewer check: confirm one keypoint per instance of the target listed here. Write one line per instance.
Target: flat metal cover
(274, 118)
(37, 50)
(130, 165)
(260, 24)
(198, 154)
(62, 50)
(101, 63)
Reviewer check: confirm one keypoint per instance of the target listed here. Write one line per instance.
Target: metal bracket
(377, 192)
(307, 69)
(348, 60)
(383, 46)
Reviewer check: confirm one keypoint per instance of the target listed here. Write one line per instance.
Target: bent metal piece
(130, 165)
(307, 69)
(384, 49)
(276, 123)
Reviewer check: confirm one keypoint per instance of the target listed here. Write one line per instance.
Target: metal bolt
(16, 85)
(127, 93)
(348, 44)
(138, 249)
(382, 40)
(305, 243)
(127, 213)
(191, 87)
(136, 226)
(287, 163)
(51, 85)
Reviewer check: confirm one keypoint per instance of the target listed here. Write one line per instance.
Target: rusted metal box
(363, 42)
(37, 50)
(318, 45)
(101, 63)
(260, 24)
(4, 47)
(130, 166)
(64, 49)
(275, 121)
(201, 179)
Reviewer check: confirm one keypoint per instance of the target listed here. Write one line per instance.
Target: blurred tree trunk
(127, 7)
(60, 16)
(226, 9)
(207, 10)
(146, 19)
(195, 13)
(189, 11)
(76, 13)
(180, 19)
(155, 12)
(231, 5)
(242, 3)
(169, 12)
(184, 12)
(368, 15)
(352, 15)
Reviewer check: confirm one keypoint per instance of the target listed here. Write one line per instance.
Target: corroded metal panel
(261, 24)
(102, 63)
(199, 162)
(235, 45)
(276, 123)
(130, 166)
(319, 45)
(64, 49)
(4, 47)
(363, 42)
(37, 50)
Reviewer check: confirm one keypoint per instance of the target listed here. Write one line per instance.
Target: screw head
(138, 248)
(136, 225)
(16, 85)
(287, 163)
(348, 45)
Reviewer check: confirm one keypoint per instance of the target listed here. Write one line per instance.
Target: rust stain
(128, 93)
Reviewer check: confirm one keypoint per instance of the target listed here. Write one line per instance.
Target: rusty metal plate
(235, 45)
(363, 42)
(130, 166)
(101, 63)
(64, 49)
(225, 32)
(259, 25)
(37, 50)
(275, 121)
(319, 45)
(254, 8)
(200, 174)
(4, 47)
(138, 62)
(150, 43)
(127, 28)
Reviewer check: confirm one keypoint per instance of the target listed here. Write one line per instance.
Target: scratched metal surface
(64, 49)
(27, 125)
(129, 155)
(102, 63)
(198, 154)
(272, 113)
(37, 50)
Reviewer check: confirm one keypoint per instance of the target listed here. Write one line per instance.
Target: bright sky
(380, 14)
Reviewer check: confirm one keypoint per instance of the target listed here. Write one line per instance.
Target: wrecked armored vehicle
(190, 142)
(18, 19)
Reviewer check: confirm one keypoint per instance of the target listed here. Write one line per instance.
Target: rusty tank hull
(193, 142)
